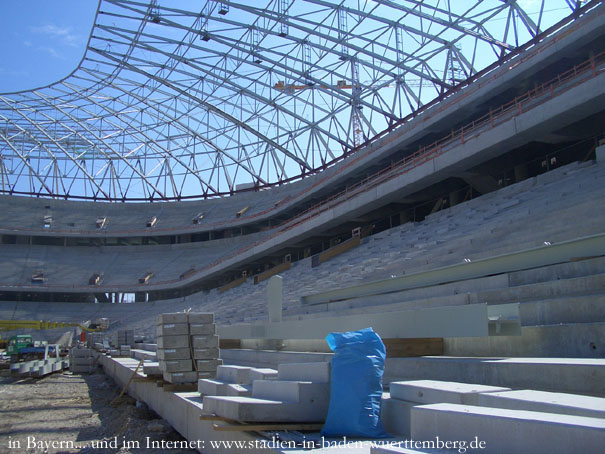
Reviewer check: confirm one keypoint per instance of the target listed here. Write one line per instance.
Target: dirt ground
(66, 413)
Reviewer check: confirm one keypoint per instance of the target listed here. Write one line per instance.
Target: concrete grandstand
(471, 221)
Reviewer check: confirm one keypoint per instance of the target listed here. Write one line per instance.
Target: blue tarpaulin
(356, 389)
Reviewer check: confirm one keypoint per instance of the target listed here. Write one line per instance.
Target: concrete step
(210, 387)
(263, 374)
(313, 372)
(291, 391)
(252, 409)
(542, 290)
(566, 309)
(433, 391)
(506, 431)
(143, 354)
(567, 375)
(234, 374)
(547, 402)
(559, 271)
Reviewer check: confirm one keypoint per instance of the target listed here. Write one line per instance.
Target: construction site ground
(66, 413)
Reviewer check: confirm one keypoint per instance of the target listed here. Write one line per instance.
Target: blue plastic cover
(356, 389)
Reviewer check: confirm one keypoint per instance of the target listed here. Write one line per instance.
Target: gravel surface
(67, 413)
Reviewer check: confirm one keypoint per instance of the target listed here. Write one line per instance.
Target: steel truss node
(182, 99)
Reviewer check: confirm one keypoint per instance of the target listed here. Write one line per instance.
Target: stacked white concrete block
(205, 344)
(184, 338)
(94, 338)
(301, 393)
(82, 360)
(124, 337)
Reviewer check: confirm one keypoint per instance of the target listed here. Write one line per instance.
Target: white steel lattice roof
(186, 99)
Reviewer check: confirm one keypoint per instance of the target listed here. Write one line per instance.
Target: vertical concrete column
(600, 153)
(275, 297)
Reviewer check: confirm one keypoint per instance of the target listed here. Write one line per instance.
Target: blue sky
(42, 41)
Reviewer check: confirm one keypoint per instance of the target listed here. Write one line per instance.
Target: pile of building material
(82, 360)
(124, 339)
(96, 341)
(187, 346)
(299, 394)
(39, 367)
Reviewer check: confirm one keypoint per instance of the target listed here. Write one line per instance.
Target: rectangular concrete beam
(548, 402)
(434, 391)
(507, 431)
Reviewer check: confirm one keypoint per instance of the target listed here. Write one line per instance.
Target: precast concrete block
(173, 353)
(200, 318)
(505, 431)
(210, 341)
(26, 368)
(202, 329)
(233, 389)
(263, 374)
(80, 352)
(547, 402)
(209, 387)
(316, 372)
(149, 347)
(152, 368)
(44, 370)
(292, 391)
(176, 365)
(175, 317)
(434, 391)
(234, 374)
(170, 342)
(81, 369)
(208, 365)
(143, 354)
(172, 329)
(180, 377)
(396, 415)
(263, 410)
(80, 361)
(206, 375)
(206, 353)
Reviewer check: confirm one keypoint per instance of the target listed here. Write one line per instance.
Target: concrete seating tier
(71, 217)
